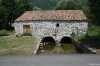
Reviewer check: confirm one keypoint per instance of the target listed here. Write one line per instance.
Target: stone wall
(42, 29)
(82, 48)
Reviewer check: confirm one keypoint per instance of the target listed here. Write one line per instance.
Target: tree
(14, 9)
(86, 12)
(68, 5)
(10, 6)
(36, 8)
(22, 6)
(61, 5)
(3, 17)
(94, 11)
(45, 4)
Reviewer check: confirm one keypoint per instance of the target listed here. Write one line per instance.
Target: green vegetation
(45, 4)
(11, 45)
(94, 11)
(68, 5)
(50, 4)
(3, 32)
(92, 39)
(12, 9)
(3, 17)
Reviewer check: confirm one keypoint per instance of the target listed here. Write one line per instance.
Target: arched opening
(47, 45)
(48, 40)
(66, 40)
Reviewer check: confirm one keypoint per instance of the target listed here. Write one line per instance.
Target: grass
(92, 39)
(12, 45)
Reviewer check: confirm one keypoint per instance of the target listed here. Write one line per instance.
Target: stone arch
(48, 39)
(66, 39)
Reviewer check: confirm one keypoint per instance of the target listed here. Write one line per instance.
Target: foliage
(92, 39)
(3, 17)
(60, 5)
(22, 6)
(86, 12)
(68, 5)
(83, 3)
(36, 8)
(3, 32)
(73, 35)
(10, 6)
(14, 9)
(94, 11)
(71, 5)
(50, 4)
(45, 4)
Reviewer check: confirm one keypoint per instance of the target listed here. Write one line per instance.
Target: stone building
(54, 24)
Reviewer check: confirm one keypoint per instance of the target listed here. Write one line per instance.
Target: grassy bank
(12, 45)
(92, 39)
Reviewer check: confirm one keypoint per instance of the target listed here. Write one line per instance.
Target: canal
(63, 48)
(66, 46)
(50, 46)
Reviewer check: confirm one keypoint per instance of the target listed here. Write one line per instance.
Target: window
(57, 25)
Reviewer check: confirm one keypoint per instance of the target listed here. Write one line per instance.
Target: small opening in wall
(16, 35)
(57, 25)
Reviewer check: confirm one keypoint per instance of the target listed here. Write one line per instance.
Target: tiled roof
(52, 15)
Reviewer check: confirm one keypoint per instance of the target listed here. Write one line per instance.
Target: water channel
(63, 48)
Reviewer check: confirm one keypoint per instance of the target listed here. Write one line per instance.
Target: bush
(3, 32)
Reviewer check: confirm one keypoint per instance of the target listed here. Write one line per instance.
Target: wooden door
(26, 29)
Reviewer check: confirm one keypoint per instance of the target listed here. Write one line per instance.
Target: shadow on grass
(93, 42)
(3, 34)
(6, 32)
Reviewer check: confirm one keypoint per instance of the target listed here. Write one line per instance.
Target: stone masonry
(42, 29)
(54, 28)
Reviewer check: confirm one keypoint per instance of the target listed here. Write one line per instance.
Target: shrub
(3, 32)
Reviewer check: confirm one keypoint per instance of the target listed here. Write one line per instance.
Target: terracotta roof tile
(52, 15)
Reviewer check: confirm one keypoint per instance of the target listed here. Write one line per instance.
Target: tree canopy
(10, 6)
(11, 9)
(45, 4)
(22, 6)
(3, 17)
(94, 11)
(68, 5)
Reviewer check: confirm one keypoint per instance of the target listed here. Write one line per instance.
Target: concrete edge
(37, 47)
(83, 48)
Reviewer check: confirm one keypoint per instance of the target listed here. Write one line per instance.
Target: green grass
(12, 45)
(92, 39)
